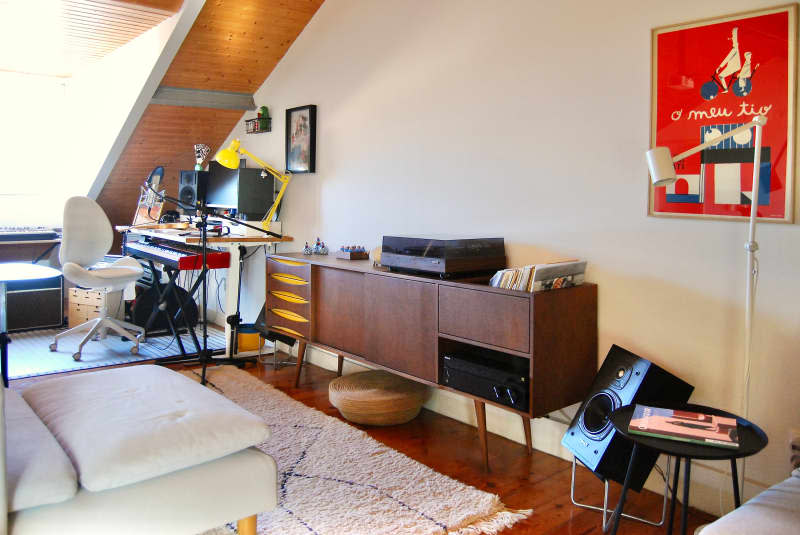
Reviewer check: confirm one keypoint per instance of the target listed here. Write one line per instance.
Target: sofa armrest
(776, 510)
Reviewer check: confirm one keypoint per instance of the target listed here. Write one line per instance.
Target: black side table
(751, 440)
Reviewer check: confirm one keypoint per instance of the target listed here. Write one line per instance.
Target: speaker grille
(187, 195)
(595, 417)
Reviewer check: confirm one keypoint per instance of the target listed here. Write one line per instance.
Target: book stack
(537, 277)
(685, 426)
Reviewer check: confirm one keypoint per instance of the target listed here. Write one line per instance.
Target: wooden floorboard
(539, 481)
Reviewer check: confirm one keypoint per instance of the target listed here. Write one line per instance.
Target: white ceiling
(57, 37)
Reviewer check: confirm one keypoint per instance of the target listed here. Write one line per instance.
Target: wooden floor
(539, 481)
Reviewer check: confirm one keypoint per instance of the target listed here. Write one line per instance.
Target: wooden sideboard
(407, 323)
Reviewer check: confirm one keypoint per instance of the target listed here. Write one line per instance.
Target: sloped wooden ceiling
(232, 46)
(58, 37)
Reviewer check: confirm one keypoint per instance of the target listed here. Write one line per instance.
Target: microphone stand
(204, 356)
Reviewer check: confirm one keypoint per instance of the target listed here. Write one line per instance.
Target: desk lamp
(229, 157)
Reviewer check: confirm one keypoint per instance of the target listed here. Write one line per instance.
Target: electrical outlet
(794, 447)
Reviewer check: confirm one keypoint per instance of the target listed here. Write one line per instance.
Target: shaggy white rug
(336, 480)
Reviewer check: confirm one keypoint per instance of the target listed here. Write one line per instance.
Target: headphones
(170, 216)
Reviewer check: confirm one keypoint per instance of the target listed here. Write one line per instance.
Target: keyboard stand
(160, 306)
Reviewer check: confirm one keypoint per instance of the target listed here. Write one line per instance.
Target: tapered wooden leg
(480, 413)
(339, 366)
(247, 526)
(301, 353)
(526, 425)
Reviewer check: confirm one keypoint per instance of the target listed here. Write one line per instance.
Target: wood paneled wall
(164, 136)
(235, 44)
(232, 46)
(166, 5)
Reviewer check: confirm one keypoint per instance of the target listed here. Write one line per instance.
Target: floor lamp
(662, 172)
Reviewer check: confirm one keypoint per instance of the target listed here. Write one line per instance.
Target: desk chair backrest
(87, 234)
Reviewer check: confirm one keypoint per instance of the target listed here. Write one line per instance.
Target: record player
(445, 256)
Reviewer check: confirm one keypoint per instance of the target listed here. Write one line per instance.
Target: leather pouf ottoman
(376, 397)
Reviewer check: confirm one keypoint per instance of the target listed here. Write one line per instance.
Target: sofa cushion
(186, 502)
(774, 511)
(126, 425)
(38, 471)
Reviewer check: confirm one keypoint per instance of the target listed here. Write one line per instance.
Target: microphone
(151, 185)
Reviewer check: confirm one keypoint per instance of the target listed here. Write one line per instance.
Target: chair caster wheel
(134, 350)
(53, 346)
(76, 356)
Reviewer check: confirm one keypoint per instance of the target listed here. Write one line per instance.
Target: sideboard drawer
(491, 318)
(291, 268)
(290, 302)
(287, 321)
(278, 282)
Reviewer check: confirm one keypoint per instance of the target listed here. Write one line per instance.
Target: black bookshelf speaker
(192, 186)
(623, 379)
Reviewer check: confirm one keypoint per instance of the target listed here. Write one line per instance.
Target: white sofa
(136, 450)
(775, 511)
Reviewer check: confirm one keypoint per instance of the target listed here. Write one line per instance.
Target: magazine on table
(685, 426)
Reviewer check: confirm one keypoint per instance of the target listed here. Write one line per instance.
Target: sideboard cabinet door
(338, 297)
(400, 325)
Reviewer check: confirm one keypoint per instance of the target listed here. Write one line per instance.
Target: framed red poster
(709, 77)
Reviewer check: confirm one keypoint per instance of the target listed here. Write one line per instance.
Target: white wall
(461, 117)
(107, 99)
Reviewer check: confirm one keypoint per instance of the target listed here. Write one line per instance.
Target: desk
(751, 440)
(408, 323)
(15, 272)
(231, 243)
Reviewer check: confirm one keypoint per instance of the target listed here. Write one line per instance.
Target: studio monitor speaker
(192, 186)
(623, 379)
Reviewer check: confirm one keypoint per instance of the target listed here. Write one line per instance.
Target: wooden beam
(203, 98)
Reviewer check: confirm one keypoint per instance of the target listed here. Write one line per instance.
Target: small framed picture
(301, 133)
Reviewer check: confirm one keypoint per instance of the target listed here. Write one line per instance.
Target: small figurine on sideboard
(352, 252)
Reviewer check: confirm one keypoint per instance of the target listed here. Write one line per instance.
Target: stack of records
(537, 277)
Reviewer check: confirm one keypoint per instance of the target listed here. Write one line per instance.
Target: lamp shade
(662, 170)
(229, 157)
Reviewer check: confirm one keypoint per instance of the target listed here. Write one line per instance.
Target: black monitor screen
(223, 186)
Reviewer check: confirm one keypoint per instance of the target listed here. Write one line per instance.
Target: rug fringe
(494, 523)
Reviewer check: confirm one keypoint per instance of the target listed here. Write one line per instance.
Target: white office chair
(87, 237)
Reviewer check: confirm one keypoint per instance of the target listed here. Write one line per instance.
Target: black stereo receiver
(501, 382)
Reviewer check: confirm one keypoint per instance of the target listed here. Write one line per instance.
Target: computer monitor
(243, 189)
(223, 187)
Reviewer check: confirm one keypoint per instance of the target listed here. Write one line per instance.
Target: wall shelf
(259, 125)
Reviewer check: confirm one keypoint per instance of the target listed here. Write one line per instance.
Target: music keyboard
(27, 234)
(184, 257)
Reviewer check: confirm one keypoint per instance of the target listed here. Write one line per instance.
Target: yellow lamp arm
(284, 179)
(267, 218)
(260, 162)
